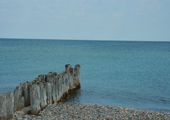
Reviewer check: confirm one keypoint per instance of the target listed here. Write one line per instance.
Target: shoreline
(69, 111)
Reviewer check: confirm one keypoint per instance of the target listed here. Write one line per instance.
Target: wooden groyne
(32, 97)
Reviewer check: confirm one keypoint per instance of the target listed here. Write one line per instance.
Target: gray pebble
(92, 112)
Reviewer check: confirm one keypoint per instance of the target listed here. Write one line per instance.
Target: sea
(129, 74)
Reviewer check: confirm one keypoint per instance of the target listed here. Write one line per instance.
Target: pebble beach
(75, 111)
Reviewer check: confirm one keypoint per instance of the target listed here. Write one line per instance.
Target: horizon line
(90, 39)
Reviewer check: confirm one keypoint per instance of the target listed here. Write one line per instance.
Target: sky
(143, 20)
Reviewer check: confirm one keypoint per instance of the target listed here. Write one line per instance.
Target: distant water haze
(125, 74)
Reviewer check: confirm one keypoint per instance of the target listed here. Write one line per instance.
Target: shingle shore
(70, 111)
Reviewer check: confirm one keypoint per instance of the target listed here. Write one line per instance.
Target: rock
(42, 91)
(25, 110)
(49, 92)
(35, 99)
(20, 102)
(65, 82)
(60, 77)
(43, 78)
(70, 77)
(54, 97)
(3, 107)
(77, 75)
(56, 78)
(75, 81)
(19, 97)
(49, 77)
(67, 66)
(26, 93)
(10, 105)
(43, 96)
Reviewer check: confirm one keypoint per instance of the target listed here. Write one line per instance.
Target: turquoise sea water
(126, 74)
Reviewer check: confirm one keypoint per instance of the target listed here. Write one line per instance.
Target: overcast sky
(86, 19)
